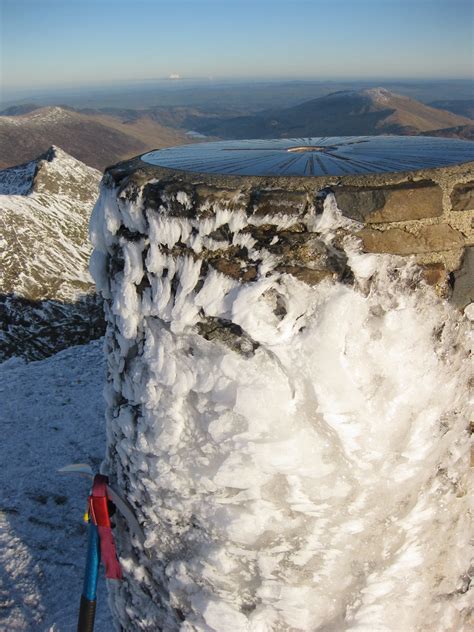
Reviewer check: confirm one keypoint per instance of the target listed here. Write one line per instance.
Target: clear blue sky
(67, 42)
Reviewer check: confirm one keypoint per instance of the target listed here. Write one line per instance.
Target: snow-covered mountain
(47, 299)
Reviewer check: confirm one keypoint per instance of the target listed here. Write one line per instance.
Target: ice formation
(314, 479)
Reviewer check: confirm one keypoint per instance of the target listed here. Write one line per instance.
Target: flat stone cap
(316, 156)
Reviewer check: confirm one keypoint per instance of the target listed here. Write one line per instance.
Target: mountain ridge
(47, 297)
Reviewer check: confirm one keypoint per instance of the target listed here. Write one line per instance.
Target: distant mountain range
(364, 112)
(102, 137)
(47, 299)
(95, 139)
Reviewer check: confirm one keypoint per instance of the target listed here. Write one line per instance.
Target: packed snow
(320, 483)
(51, 415)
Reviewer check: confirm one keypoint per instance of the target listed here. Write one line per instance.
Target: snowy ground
(51, 415)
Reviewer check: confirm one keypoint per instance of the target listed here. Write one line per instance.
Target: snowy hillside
(51, 415)
(44, 212)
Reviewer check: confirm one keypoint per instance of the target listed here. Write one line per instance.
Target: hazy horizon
(253, 93)
(68, 45)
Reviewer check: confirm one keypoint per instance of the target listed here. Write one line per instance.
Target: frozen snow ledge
(286, 413)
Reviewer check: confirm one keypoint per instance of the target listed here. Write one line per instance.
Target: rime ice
(296, 454)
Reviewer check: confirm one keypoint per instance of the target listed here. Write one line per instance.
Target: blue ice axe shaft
(89, 589)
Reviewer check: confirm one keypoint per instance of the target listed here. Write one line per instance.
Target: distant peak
(382, 95)
(47, 114)
(38, 116)
(380, 92)
(54, 153)
(54, 171)
(53, 112)
(57, 157)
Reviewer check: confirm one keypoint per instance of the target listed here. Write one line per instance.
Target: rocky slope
(97, 140)
(47, 300)
(349, 112)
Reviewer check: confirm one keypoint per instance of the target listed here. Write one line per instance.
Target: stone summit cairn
(218, 263)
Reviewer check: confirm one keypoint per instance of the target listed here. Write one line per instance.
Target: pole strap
(99, 514)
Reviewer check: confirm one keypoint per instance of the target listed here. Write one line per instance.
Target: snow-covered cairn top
(286, 415)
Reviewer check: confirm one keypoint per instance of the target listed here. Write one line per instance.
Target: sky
(57, 43)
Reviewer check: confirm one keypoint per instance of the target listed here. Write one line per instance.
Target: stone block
(278, 202)
(394, 203)
(229, 334)
(301, 247)
(358, 203)
(462, 197)
(432, 238)
(173, 195)
(434, 273)
(236, 269)
(463, 292)
(209, 198)
(307, 275)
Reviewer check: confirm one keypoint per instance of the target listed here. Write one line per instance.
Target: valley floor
(51, 415)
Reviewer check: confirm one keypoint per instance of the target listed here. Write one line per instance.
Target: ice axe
(103, 499)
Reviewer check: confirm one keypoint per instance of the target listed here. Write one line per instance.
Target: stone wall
(427, 214)
(431, 219)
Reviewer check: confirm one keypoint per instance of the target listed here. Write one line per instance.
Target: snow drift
(313, 477)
